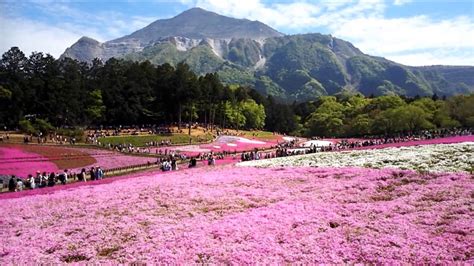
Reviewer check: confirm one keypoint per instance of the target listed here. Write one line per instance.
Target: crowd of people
(291, 148)
(93, 135)
(169, 161)
(163, 142)
(169, 165)
(4, 137)
(51, 138)
(126, 148)
(50, 179)
(395, 138)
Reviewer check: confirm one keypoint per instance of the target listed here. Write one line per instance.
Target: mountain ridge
(291, 67)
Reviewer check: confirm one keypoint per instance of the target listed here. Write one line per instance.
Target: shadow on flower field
(21, 160)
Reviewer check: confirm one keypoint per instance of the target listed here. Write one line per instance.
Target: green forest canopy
(118, 92)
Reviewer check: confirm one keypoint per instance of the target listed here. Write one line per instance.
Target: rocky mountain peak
(88, 40)
(290, 67)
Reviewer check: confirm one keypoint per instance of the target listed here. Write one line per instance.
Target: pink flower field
(446, 140)
(224, 215)
(21, 163)
(14, 160)
(224, 143)
(112, 159)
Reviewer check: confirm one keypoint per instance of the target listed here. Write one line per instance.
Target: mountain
(186, 30)
(291, 67)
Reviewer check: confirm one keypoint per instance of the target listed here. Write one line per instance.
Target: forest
(40, 93)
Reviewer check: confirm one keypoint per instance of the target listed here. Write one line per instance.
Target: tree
(233, 115)
(12, 78)
(410, 117)
(162, 89)
(254, 114)
(211, 94)
(359, 126)
(416, 118)
(280, 117)
(184, 82)
(442, 118)
(328, 118)
(385, 102)
(461, 109)
(387, 122)
(95, 106)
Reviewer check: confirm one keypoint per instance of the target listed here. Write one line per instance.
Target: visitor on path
(192, 162)
(166, 166)
(63, 177)
(174, 165)
(66, 176)
(100, 173)
(19, 184)
(211, 160)
(31, 181)
(93, 174)
(52, 179)
(38, 179)
(82, 175)
(12, 184)
(44, 180)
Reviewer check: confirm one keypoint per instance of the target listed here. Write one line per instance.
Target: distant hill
(291, 67)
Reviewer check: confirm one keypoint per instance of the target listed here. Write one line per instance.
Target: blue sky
(407, 31)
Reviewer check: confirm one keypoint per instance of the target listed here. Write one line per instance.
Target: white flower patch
(317, 143)
(289, 138)
(433, 158)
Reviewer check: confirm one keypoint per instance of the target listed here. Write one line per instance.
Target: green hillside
(303, 67)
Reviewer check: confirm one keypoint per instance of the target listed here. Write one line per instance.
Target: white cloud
(407, 36)
(294, 15)
(252, 10)
(417, 40)
(435, 57)
(49, 37)
(111, 24)
(401, 2)
(32, 36)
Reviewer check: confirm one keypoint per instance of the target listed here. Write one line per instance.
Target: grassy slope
(142, 140)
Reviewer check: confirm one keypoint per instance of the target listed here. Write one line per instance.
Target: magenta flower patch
(17, 162)
(243, 215)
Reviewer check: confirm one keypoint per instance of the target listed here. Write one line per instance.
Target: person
(65, 176)
(19, 184)
(82, 175)
(52, 179)
(100, 173)
(62, 178)
(92, 173)
(166, 166)
(38, 179)
(12, 184)
(192, 162)
(31, 181)
(44, 180)
(174, 165)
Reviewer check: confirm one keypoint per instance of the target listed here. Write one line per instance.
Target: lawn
(140, 141)
(258, 134)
